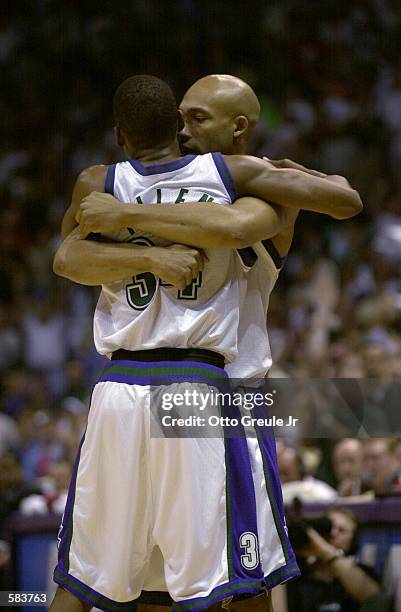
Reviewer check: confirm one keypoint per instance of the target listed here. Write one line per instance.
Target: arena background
(328, 76)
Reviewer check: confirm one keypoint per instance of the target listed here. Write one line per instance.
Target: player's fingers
(84, 232)
(188, 275)
(197, 266)
(274, 162)
(203, 260)
(198, 256)
(279, 163)
(182, 283)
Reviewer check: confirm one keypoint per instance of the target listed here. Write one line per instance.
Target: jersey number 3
(249, 542)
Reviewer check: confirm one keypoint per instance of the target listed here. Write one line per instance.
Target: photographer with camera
(332, 581)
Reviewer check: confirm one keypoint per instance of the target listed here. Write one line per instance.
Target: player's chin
(189, 149)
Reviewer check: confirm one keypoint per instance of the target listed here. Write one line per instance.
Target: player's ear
(241, 125)
(180, 121)
(119, 136)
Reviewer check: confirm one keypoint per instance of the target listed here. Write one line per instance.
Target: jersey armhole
(225, 175)
(277, 259)
(248, 257)
(109, 182)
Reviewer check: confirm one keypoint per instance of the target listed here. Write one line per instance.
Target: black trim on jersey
(109, 182)
(278, 260)
(248, 256)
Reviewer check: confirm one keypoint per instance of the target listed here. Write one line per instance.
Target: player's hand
(100, 213)
(178, 264)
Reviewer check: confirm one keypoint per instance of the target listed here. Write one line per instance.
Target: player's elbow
(59, 264)
(241, 232)
(251, 228)
(228, 233)
(239, 238)
(350, 205)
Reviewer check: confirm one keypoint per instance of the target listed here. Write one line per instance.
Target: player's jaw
(187, 145)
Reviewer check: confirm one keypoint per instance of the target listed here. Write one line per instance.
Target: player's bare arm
(89, 262)
(200, 224)
(294, 188)
(209, 226)
(289, 163)
(90, 179)
(283, 239)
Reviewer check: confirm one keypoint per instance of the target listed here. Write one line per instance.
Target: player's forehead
(198, 99)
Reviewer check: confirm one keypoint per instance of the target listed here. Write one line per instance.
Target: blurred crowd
(328, 76)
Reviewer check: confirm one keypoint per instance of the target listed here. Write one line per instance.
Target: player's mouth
(185, 149)
(186, 146)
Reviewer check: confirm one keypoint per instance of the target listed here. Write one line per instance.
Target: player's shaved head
(230, 92)
(219, 112)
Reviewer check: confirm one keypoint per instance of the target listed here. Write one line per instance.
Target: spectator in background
(295, 481)
(42, 446)
(9, 341)
(395, 448)
(5, 557)
(9, 435)
(59, 476)
(348, 466)
(381, 464)
(13, 487)
(46, 344)
(332, 579)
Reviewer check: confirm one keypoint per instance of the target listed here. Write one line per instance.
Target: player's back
(141, 312)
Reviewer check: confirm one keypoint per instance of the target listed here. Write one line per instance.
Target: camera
(297, 531)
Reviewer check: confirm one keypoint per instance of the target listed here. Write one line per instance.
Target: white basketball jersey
(254, 355)
(141, 312)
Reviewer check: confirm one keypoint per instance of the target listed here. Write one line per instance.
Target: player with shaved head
(199, 521)
(220, 112)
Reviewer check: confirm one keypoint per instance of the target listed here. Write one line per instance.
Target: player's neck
(157, 154)
(239, 147)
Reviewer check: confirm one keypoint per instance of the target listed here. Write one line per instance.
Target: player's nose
(184, 135)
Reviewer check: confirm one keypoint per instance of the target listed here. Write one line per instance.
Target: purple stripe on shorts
(66, 522)
(282, 574)
(244, 531)
(90, 596)
(267, 445)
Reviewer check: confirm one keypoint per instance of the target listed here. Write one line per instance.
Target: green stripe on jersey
(163, 370)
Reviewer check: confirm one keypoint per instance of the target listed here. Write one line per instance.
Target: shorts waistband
(155, 373)
(171, 354)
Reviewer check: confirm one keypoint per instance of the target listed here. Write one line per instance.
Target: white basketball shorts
(182, 521)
